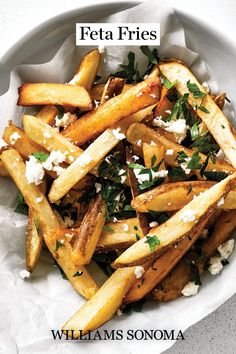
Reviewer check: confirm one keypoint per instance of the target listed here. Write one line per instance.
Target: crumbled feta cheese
(190, 289)
(119, 312)
(153, 143)
(34, 171)
(168, 111)
(139, 142)
(68, 236)
(188, 215)
(159, 174)
(14, 137)
(215, 265)
(66, 120)
(139, 270)
(206, 86)
(62, 241)
(125, 227)
(220, 155)
(47, 135)
(124, 177)
(169, 152)
(177, 127)
(115, 219)
(221, 201)
(101, 49)
(68, 222)
(117, 134)
(71, 158)
(39, 199)
(24, 274)
(145, 176)
(58, 169)
(226, 249)
(153, 224)
(135, 157)
(98, 187)
(84, 159)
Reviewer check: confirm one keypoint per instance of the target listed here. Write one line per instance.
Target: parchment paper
(30, 308)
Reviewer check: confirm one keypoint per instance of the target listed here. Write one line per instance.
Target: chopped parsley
(137, 237)
(41, 156)
(22, 207)
(58, 245)
(193, 88)
(129, 71)
(152, 242)
(78, 274)
(215, 176)
(61, 111)
(110, 168)
(153, 58)
(203, 109)
(135, 227)
(194, 131)
(194, 163)
(107, 228)
(169, 84)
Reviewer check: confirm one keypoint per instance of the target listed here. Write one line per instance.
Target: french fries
(48, 224)
(103, 305)
(90, 231)
(96, 90)
(138, 134)
(212, 116)
(47, 114)
(140, 252)
(174, 196)
(113, 87)
(163, 265)
(34, 242)
(92, 156)
(53, 94)
(111, 112)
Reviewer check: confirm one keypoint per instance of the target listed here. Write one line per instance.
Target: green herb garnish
(107, 228)
(78, 274)
(61, 111)
(169, 84)
(58, 245)
(152, 242)
(41, 156)
(22, 207)
(193, 88)
(129, 70)
(203, 109)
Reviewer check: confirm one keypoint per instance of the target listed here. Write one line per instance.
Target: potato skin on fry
(53, 94)
(133, 100)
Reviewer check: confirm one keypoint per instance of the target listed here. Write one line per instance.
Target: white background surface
(216, 333)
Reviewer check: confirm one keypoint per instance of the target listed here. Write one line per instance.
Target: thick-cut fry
(84, 76)
(118, 235)
(215, 120)
(138, 133)
(96, 90)
(113, 87)
(111, 112)
(49, 138)
(48, 224)
(163, 265)
(174, 196)
(93, 155)
(34, 242)
(23, 144)
(90, 231)
(52, 94)
(153, 155)
(178, 226)
(87, 71)
(103, 305)
(171, 287)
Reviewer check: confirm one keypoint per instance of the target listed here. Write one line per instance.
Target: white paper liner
(31, 308)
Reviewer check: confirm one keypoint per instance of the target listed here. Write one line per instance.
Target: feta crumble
(177, 127)
(66, 120)
(125, 227)
(135, 157)
(39, 199)
(71, 158)
(139, 271)
(117, 134)
(34, 171)
(145, 176)
(221, 201)
(169, 152)
(98, 187)
(124, 177)
(215, 265)
(153, 224)
(188, 215)
(101, 49)
(119, 312)
(14, 137)
(24, 274)
(190, 289)
(226, 249)
(206, 86)
(47, 135)
(184, 165)
(139, 142)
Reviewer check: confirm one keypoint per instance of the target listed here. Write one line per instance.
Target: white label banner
(118, 34)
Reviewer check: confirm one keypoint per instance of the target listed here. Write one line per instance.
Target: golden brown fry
(96, 90)
(142, 95)
(53, 94)
(103, 305)
(163, 265)
(47, 114)
(48, 225)
(90, 231)
(177, 227)
(34, 241)
(153, 155)
(93, 155)
(119, 235)
(138, 133)
(174, 196)
(215, 120)
(113, 87)
(3, 170)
